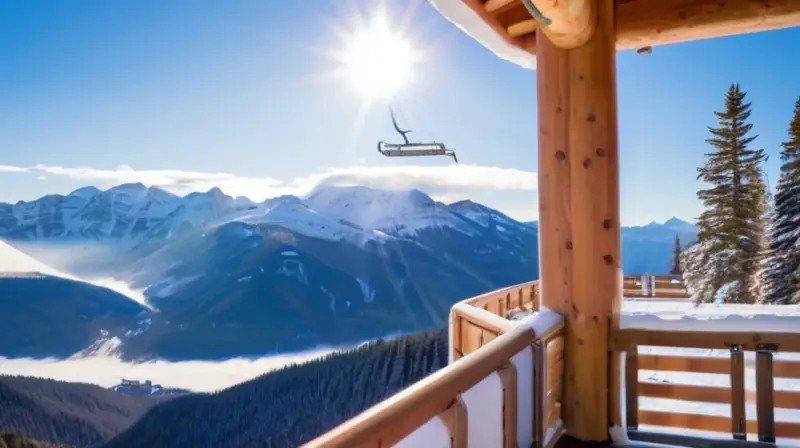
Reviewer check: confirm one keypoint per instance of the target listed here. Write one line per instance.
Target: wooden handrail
(622, 340)
(393, 419)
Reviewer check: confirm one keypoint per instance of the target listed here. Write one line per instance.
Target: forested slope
(74, 414)
(293, 405)
(280, 409)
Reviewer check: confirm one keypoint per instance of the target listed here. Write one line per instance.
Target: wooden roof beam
(567, 23)
(522, 28)
(519, 41)
(498, 6)
(642, 23)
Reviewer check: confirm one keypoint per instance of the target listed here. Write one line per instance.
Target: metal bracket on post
(535, 13)
(767, 348)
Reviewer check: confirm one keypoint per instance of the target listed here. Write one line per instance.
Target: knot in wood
(600, 152)
(587, 162)
(608, 259)
(568, 245)
(561, 155)
(591, 118)
(607, 224)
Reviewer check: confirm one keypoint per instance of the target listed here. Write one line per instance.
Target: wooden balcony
(505, 383)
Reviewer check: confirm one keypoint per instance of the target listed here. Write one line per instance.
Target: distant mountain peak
(675, 221)
(86, 192)
(130, 186)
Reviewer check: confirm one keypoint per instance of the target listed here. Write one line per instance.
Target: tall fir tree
(782, 273)
(675, 269)
(726, 262)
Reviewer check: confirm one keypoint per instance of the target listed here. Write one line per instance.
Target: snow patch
(367, 292)
(400, 212)
(107, 347)
(294, 215)
(169, 286)
(293, 268)
(331, 296)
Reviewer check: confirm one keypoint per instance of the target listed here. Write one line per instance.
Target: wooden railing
(493, 347)
(655, 286)
(490, 352)
(765, 397)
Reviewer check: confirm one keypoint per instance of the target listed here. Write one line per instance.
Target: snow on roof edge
(468, 21)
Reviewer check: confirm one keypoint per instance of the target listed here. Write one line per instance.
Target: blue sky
(191, 93)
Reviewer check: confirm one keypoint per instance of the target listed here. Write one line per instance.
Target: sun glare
(377, 60)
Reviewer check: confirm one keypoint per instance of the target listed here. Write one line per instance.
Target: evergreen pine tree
(728, 255)
(782, 273)
(676, 257)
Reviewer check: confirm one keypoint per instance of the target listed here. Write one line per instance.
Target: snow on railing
(485, 397)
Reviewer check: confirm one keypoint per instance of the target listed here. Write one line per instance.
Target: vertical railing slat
(765, 409)
(539, 393)
(455, 420)
(738, 413)
(457, 348)
(508, 378)
(632, 388)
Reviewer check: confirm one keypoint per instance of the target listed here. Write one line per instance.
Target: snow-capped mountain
(128, 214)
(229, 276)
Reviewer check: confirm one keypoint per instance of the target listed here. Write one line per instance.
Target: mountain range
(226, 276)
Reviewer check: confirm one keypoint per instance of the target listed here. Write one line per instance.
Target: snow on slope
(290, 212)
(484, 215)
(404, 212)
(12, 260)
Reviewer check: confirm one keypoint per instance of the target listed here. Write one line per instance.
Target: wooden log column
(579, 225)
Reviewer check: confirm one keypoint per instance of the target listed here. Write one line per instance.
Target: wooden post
(581, 275)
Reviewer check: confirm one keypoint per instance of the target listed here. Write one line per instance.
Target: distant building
(136, 387)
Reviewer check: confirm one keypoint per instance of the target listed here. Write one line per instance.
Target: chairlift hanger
(409, 149)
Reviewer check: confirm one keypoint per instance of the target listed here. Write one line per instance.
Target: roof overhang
(508, 28)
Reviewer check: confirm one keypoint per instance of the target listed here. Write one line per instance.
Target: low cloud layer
(198, 376)
(447, 181)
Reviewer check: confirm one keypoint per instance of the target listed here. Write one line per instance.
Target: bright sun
(376, 60)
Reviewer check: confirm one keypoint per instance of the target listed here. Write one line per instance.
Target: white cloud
(12, 169)
(447, 181)
(198, 376)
